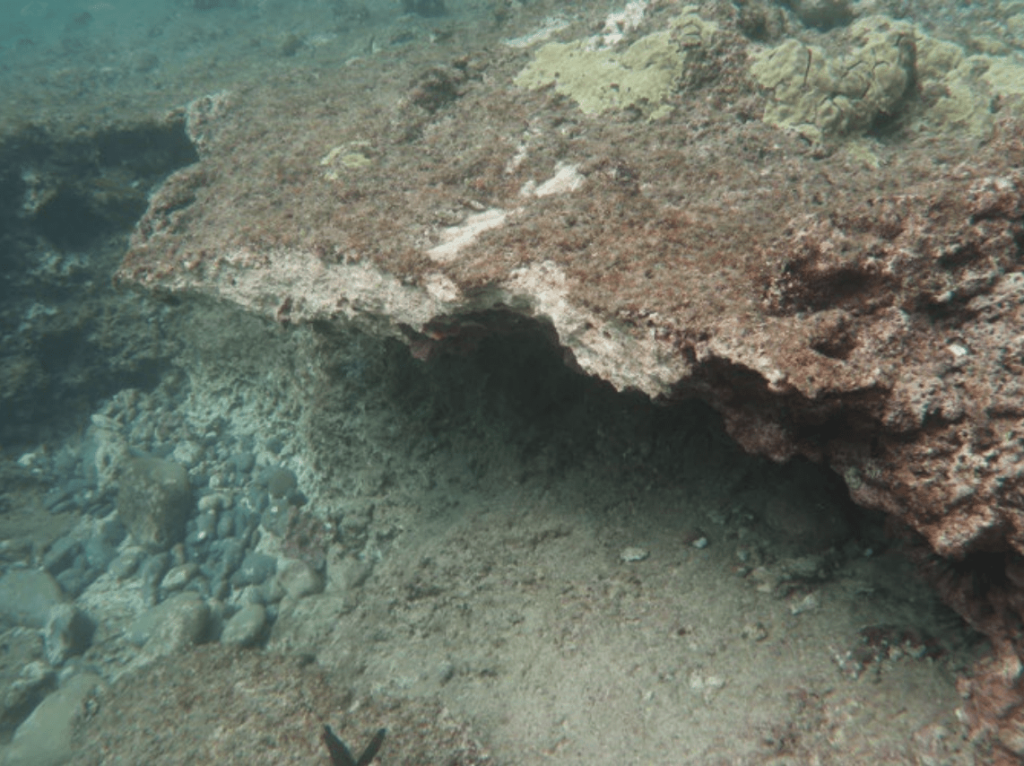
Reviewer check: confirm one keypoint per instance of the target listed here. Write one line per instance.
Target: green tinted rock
(154, 501)
(280, 482)
(26, 596)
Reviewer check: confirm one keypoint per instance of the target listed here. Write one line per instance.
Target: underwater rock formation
(851, 300)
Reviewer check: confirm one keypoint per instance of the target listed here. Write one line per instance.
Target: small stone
(68, 632)
(225, 526)
(206, 527)
(177, 624)
(706, 686)
(152, 574)
(254, 569)
(633, 553)
(232, 553)
(246, 627)
(180, 576)
(211, 502)
(243, 461)
(446, 672)
(280, 482)
(700, 543)
(811, 567)
(62, 554)
(188, 453)
(27, 595)
(75, 580)
(98, 552)
(766, 580)
(808, 603)
(754, 631)
(345, 573)
(33, 683)
(126, 563)
(299, 579)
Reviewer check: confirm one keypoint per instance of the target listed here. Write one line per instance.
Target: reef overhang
(845, 290)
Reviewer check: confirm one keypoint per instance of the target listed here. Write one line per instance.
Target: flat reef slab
(833, 262)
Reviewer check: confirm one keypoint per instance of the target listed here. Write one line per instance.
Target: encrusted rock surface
(858, 303)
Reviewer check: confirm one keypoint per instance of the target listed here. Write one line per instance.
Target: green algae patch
(640, 77)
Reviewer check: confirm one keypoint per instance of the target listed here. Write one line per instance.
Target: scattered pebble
(246, 627)
(754, 631)
(633, 553)
(807, 604)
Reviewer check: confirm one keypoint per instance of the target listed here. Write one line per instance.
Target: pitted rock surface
(859, 303)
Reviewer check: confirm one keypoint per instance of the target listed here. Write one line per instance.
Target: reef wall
(821, 239)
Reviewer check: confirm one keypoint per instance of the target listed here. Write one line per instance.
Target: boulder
(154, 501)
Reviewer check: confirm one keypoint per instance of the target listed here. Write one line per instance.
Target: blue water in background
(30, 28)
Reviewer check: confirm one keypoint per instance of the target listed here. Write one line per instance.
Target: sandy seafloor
(523, 565)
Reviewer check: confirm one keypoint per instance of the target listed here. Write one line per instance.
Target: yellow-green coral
(641, 77)
(350, 156)
(822, 94)
(818, 95)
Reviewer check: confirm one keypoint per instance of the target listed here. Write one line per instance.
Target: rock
(211, 503)
(98, 552)
(243, 461)
(178, 577)
(44, 738)
(823, 14)
(225, 526)
(104, 452)
(24, 677)
(27, 595)
(75, 580)
(299, 579)
(633, 554)
(68, 632)
(152, 575)
(281, 481)
(346, 573)
(126, 563)
(187, 453)
(254, 569)
(175, 625)
(154, 501)
(245, 628)
(62, 554)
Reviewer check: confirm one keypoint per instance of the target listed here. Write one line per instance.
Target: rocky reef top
(820, 235)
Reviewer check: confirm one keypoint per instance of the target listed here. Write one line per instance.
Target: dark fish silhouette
(340, 755)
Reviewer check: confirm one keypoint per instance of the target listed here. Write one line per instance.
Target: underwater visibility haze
(511, 382)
